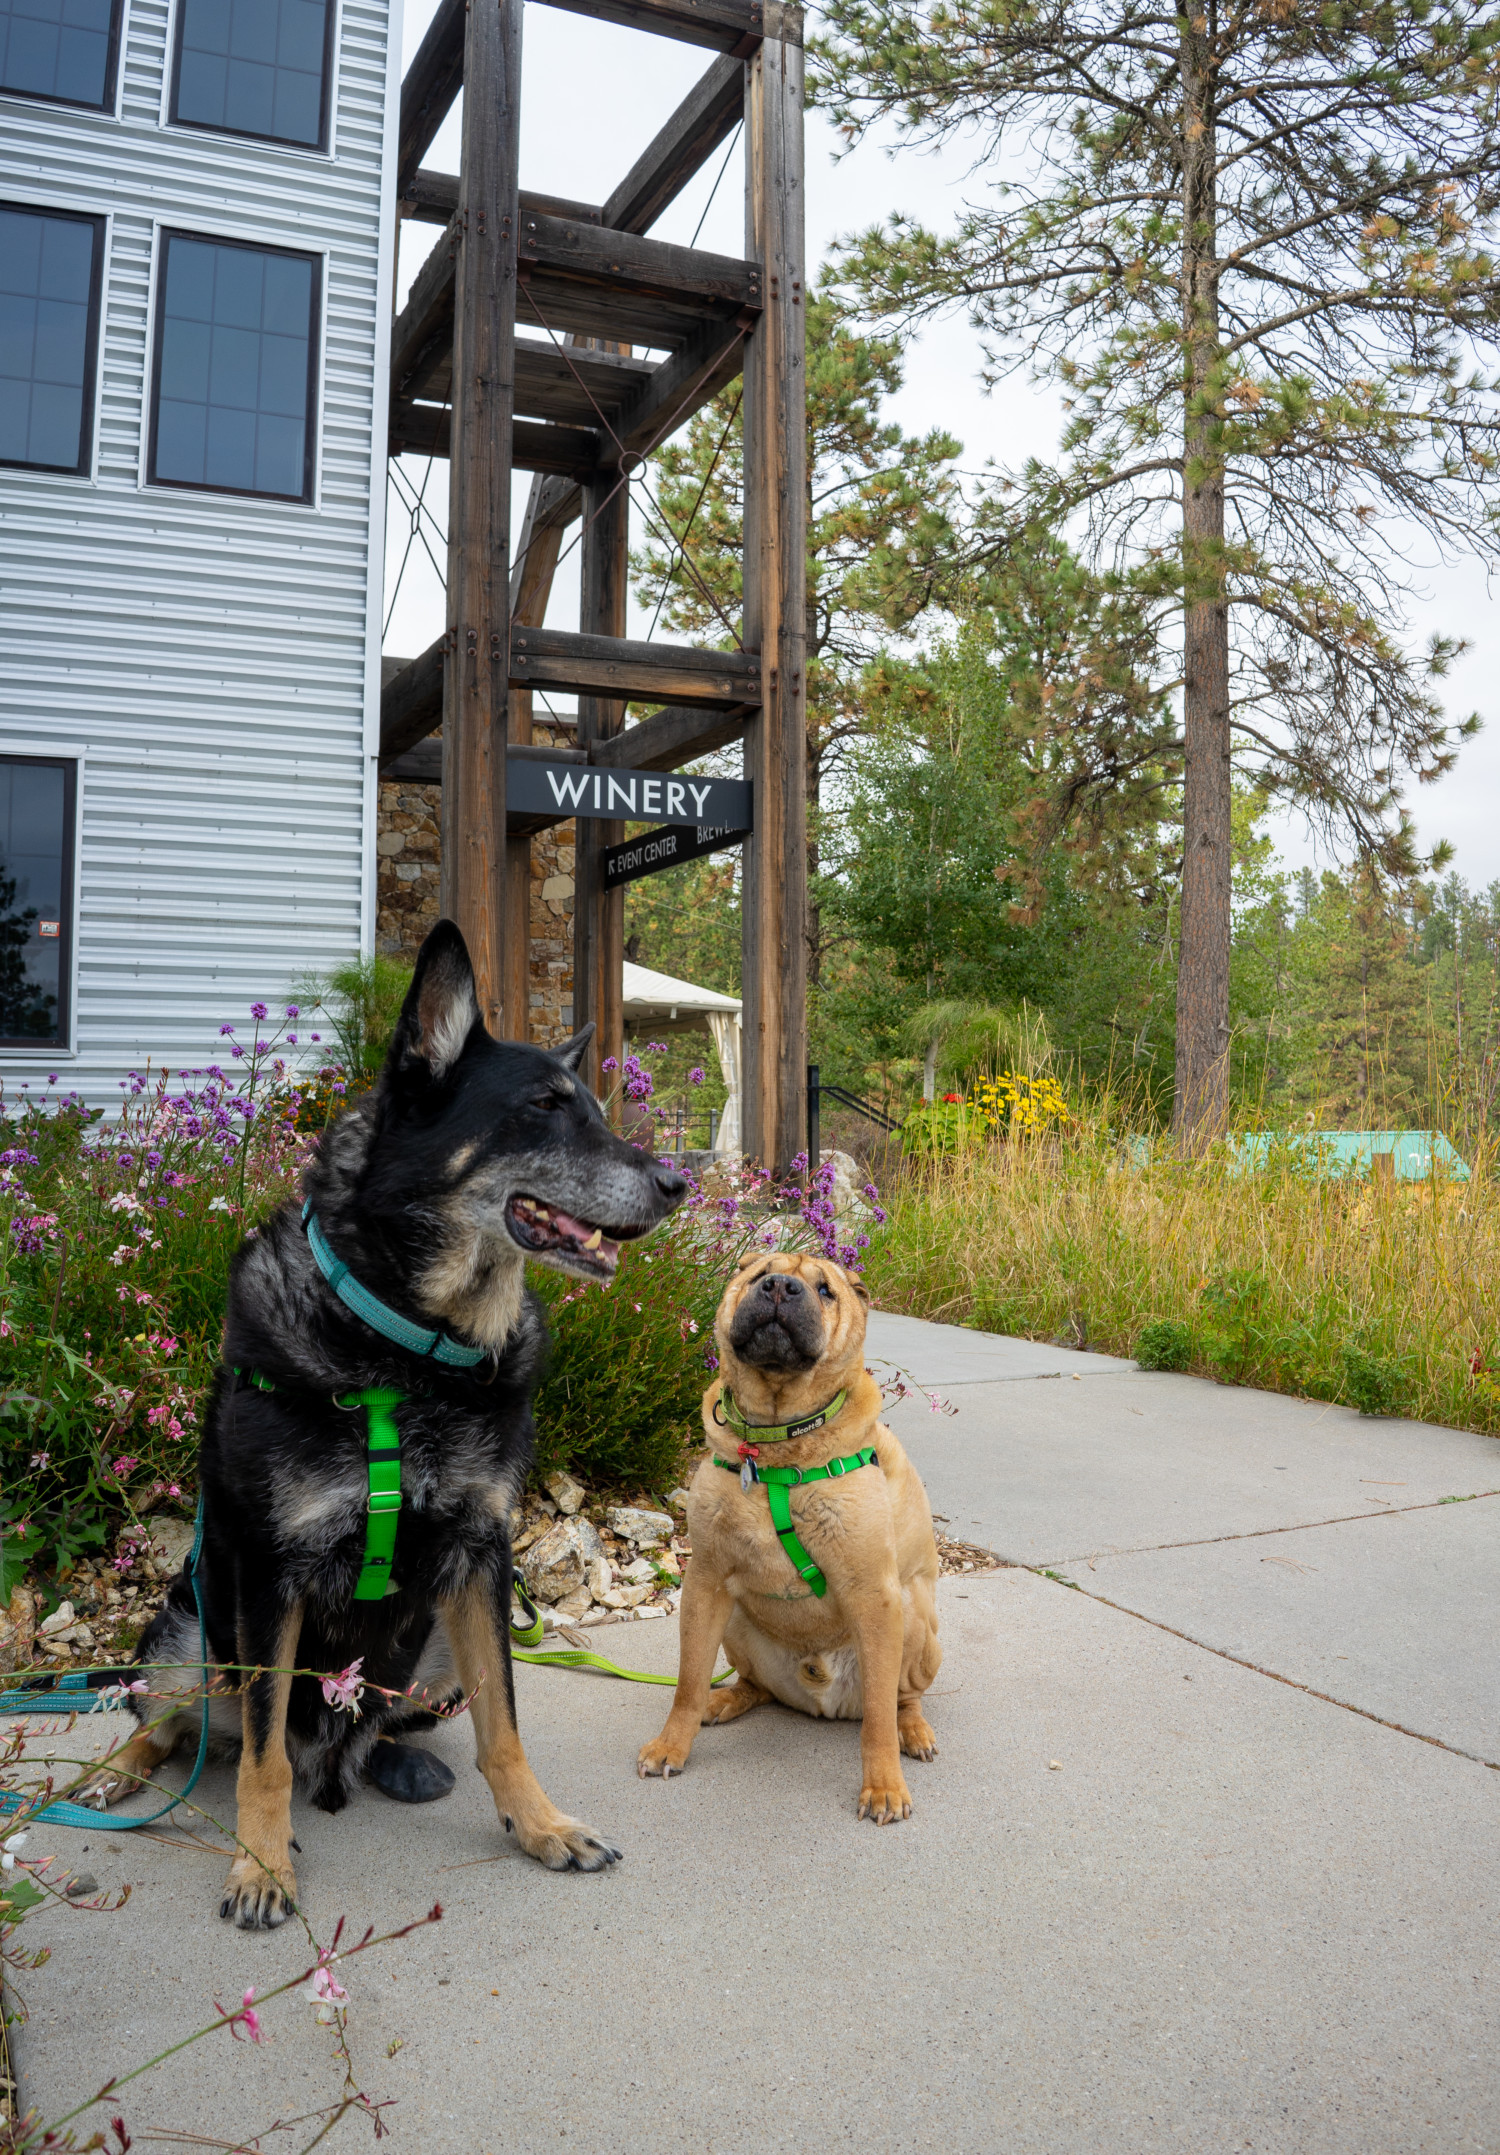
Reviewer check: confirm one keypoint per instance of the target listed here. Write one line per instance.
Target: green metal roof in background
(1347, 1152)
(1337, 1152)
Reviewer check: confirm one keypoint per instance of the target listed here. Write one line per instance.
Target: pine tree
(1245, 240)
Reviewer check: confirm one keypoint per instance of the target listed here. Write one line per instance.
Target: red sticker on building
(49, 927)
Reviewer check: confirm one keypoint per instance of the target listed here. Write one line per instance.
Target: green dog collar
(780, 1481)
(773, 1432)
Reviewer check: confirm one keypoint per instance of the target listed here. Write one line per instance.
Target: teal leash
(73, 1695)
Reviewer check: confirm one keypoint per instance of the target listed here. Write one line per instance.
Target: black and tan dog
(471, 1156)
(794, 1394)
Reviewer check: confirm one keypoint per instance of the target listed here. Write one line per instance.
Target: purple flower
(223, 1029)
(291, 1040)
(292, 1011)
(236, 1049)
(695, 1076)
(258, 1011)
(609, 1063)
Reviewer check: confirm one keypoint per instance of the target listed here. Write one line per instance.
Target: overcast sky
(595, 95)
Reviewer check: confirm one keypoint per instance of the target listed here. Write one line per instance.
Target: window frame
(312, 454)
(89, 401)
(172, 76)
(109, 104)
(72, 755)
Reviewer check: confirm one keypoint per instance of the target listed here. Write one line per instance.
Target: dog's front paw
(885, 1799)
(916, 1734)
(258, 1896)
(566, 1844)
(661, 1757)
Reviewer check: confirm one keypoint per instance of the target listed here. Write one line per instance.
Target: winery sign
(539, 787)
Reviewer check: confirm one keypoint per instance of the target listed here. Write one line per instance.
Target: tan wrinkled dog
(791, 1334)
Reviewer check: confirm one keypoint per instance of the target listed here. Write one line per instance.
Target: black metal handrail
(816, 1090)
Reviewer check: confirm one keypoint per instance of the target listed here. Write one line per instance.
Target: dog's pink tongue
(581, 1232)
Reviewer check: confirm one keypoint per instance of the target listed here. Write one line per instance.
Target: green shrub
(939, 1127)
(1166, 1344)
(1375, 1385)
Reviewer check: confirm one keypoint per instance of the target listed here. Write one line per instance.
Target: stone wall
(408, 848)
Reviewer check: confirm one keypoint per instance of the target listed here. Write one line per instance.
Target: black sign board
(664, 848)
(538, 787)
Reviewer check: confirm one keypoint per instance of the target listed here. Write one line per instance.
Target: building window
(38, 832)
(234, 396)
(255, 67)
(60, 49)
(50, 271)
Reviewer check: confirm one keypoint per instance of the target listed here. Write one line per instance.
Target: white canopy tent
(656, 999)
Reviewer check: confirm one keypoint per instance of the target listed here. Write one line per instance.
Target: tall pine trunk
(1203, 967)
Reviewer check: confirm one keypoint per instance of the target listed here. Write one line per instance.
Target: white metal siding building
(205, 655)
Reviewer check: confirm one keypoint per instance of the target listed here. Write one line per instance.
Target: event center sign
(664, 848)
(535, 786)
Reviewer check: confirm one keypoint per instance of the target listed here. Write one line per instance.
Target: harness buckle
(384, 1500)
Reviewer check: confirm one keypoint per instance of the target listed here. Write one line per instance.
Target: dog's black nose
(672, 1185)
(781, 1286)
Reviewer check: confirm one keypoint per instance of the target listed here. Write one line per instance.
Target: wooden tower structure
(560, 338)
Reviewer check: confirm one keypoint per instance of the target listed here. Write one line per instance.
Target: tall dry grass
(1282, 1278)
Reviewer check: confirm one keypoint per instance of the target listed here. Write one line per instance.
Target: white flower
(219, 1204)
(124, 1201)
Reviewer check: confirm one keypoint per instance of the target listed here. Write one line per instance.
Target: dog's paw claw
(256, 1899)
(656, 1759)
(569, 1846)
(885, 1806)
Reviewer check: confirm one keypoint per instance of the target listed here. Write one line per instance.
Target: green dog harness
(780, 1481)
(383, 1499)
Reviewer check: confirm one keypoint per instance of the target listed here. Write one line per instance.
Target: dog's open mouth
(543, 1231)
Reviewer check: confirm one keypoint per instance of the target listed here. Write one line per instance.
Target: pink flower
(124, 1465)
(246, 2018)
(346, 1689)
(324, 1989)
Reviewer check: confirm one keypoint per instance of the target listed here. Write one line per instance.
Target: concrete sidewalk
(1149, 1896)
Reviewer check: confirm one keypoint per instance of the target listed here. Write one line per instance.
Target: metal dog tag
(747, 1474)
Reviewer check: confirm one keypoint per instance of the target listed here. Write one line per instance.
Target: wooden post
(599, 915)
(774, 978)
(478, 882)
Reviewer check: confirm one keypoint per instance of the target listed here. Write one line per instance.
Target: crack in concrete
(1257, 1668)
(1256, 1533)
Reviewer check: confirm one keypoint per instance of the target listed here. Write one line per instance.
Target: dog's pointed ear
(571, 1057)
(441, 1008)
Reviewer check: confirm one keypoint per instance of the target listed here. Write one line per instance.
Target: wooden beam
(477, 889)
(576, 385)
(432, 82)
(598, 914)
(706, 117)
(422, 333)
(611, 667)
(735, 26)
(579, 277)
(668, 739)
(679, 387)
(774, 887)
(424, 430)
(411, 702)
(623, 288)
(432, 198)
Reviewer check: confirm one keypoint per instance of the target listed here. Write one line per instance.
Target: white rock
(601, 1577)
(644, 1527)
(625, 1597)
(171, 1542)
(594, 1616)
(575, 1605)
(60, 1619)
(641, 1568)
(567, 1494)
(557, 1565)
(654, 1610)
(678, 1497)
